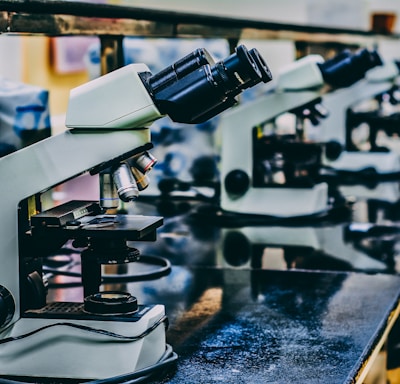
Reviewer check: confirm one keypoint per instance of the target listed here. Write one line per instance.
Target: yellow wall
(38, 70)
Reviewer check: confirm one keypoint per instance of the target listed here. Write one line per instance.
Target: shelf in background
(57, 18)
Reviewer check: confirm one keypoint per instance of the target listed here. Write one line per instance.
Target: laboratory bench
(243, 307)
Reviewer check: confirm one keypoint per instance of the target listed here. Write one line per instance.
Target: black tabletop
(280, 327)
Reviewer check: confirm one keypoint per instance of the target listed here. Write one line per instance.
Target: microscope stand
(328, 238)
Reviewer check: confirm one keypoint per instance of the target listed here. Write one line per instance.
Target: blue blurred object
(24, 115)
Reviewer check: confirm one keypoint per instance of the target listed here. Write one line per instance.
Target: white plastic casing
(301, 74)
(116, 100)
(66, 352)
(386, 72)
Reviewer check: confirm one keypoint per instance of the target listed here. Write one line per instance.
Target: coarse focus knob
(333, 150)
(236, 249)
(237, 182)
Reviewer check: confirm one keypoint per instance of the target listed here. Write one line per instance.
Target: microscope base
(326, 238)
(387, 192)
(382, 162)
(279, 202)
(75, 352)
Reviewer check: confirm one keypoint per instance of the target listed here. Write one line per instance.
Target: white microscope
(265, 173)
(347, 112)
(106, 334)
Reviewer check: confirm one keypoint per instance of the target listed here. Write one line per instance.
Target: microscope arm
(236, 126)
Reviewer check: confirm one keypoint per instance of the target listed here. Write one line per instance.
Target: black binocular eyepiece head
(347, 68)
(196, 88)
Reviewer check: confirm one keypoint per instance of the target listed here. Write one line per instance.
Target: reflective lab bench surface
(245, 321)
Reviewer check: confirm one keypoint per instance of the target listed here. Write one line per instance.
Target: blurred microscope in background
(269, 171)
(358, 114)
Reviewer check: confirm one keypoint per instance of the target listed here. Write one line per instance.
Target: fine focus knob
(7, 306)
(333, 150)
(237, 182)
(111, 303)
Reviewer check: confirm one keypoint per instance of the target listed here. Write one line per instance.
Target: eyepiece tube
(195, 88)
(181, 68)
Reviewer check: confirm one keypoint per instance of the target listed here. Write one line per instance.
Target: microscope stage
(81, 219)
(132, 227)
